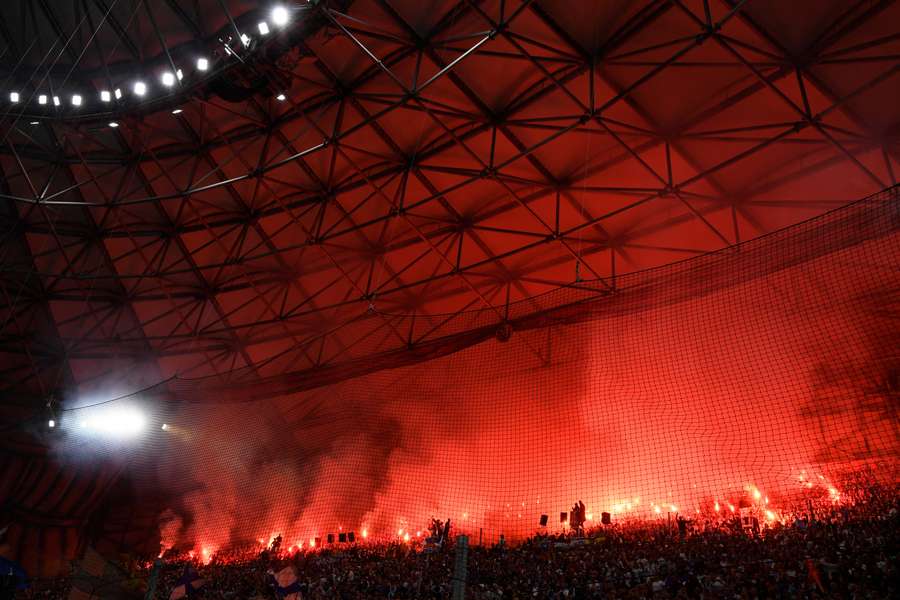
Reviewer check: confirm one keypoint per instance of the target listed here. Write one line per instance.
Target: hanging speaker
(606, 518)
(563, 517)
(318, 542)
(544, 519)
(330, 538)
(342, 538)
(351, 537)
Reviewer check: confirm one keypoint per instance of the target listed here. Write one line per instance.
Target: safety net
(764, 377)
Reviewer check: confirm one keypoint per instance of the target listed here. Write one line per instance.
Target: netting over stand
(761, 376)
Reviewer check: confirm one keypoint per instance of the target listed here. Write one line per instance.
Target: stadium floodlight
(177, 111)
(116, 422)
(140, 88)
(118, 94)
(281, 97)
(280, 16)
(76, 99)
(263, 28)
(113, 124)
(42, 99)
(202, 64)
(51, 423)
(167, 79)
(245, 39)
(179, 74)
(105, 96)
(56, 101)
(14, 97)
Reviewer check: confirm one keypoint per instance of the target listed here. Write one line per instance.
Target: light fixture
(35, 122)
(115, 422)
(179, 74)
(263, 28)
(42, 99)
(177, 111)
(280, 16)
(56, 101)
(105, 96)
(202, 64)
(14, 97)
(140, 88)
(118, 93)
(245, 38)
(76, 100)
(167, 79)
(281, 97)
(51, 423)
(165, 426)
(113, 124)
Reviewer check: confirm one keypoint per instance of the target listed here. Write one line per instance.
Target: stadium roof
(356, 180)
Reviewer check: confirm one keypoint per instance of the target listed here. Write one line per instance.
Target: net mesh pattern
(762, 376)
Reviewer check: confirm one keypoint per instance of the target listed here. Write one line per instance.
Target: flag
(286, 585)
(187, 585)
(814, 575)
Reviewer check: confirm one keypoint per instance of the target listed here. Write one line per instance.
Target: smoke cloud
(641, 414)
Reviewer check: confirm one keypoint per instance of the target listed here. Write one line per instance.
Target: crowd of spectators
(848, 550)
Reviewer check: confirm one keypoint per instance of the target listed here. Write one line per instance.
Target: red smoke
(754, 391)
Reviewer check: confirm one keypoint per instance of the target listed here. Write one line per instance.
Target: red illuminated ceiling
(430, 158)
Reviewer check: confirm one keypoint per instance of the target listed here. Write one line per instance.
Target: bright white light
(42, 99)
(118, 422)
(113, 124)
(179, 74)
(14, 96)
(118, 93)
(280, 16)
(177, 111)
(35, 122)
(167, 79)
(140, 88)
(51, 423)
(202, 64)
(281, 97)
(56, 101)
(263, 28)
(245, 38)
(105, 96)
(76, 100)
(165, 426)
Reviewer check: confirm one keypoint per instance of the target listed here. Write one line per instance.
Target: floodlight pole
(460, 570)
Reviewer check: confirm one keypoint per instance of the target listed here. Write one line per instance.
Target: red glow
(471, 435)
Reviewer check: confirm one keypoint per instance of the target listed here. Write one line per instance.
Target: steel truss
(423, 168)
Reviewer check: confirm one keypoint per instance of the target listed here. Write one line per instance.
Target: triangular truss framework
(431, 159)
